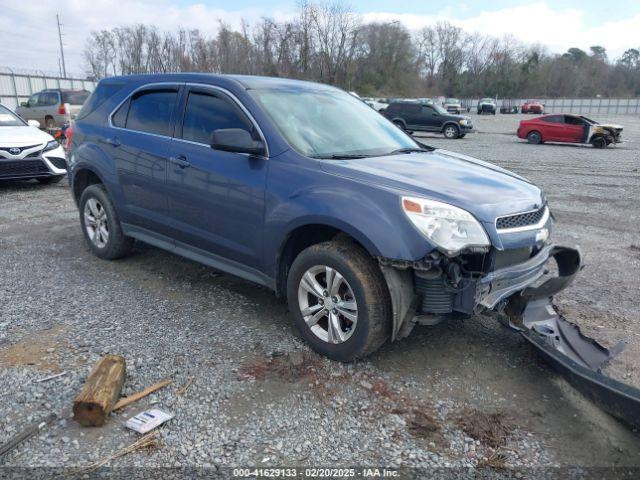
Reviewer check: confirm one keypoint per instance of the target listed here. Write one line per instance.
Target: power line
(64, 67)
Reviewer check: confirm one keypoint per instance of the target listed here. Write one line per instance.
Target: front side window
(327, 122)
(33, 100)
(205, 113)
(150, 111)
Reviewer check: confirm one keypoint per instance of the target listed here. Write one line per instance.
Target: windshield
(439, 109)
(330, 122)
(453, 100)
(9, 119)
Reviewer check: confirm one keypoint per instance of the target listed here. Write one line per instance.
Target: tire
(462, 135)
(534, 138)
(399, 124)
(49, 122)
(116, 244)
(362, 284)
(599, 142)
(50, 180)
(451, 131)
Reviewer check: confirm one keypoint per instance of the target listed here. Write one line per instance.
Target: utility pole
(64, 68)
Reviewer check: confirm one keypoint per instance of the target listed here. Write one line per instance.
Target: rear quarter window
(103, 92)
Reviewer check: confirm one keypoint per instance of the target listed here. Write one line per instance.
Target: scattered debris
(148, 420)
(27, 433)
(290, 367)
(123, 402)
(492, 429)
(148, 442)
(366, 385)
(183, 389)
(100, 392)
(495, 461)
(51, 377)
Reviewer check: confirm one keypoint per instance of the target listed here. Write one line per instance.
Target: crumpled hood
(22, 135)
(484, 189)
(612, 126)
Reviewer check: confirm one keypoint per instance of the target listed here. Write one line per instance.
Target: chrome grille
(519, 220)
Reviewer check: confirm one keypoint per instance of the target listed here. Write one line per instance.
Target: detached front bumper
(523, 294)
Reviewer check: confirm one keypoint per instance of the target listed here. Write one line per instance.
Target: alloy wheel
(95, 223)
(328, 304)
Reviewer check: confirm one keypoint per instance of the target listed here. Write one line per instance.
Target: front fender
(369, 214)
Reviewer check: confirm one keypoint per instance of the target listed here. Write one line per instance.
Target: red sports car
(532, 106)
(569, 128)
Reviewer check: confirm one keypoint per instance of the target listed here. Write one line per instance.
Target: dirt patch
(35, 350)
(290, 367)
(492, 429)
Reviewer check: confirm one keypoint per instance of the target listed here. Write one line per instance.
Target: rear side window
(205, 113)
(76, 97)
(119, 118)
(48, 99)
(553, 119)
(151, 111)
(411, 109)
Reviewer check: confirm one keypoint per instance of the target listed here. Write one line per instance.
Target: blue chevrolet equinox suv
(303, 188)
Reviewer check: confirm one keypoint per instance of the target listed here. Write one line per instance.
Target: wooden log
(100, 392)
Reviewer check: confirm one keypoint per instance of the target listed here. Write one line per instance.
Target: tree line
(328, 42)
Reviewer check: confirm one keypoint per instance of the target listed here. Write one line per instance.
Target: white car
(26, 152)
(375, 104)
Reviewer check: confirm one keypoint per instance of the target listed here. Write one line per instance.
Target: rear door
(216, 198)
(552, 128)
(411, 113)
(139, 144)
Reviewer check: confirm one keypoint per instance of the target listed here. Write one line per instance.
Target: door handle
(180, 161)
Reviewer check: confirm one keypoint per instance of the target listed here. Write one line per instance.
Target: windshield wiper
(340, 156)
(408, 150)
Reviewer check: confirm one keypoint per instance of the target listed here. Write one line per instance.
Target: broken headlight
(451, 228)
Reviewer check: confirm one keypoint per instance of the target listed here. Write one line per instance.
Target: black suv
(427, 117)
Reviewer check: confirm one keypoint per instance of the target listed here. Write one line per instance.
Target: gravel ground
(459, 396)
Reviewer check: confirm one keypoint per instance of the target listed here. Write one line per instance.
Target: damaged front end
(519, 286)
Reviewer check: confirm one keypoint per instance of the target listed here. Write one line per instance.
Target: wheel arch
(308, 234)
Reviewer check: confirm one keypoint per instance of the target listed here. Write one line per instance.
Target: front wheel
(451, 131)
(101, 225)
(339, 300)
(599, 142)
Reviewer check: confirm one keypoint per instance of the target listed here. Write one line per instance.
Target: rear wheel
(534, 138)
(451, 131)
(399, 124)
(101, 224)
(49, 180)
(339, 300)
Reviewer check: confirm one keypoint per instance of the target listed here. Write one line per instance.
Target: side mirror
(236, 140)
(24, 104)
(33, 123)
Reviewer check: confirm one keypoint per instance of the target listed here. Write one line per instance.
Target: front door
(216, 198)
(430, 119)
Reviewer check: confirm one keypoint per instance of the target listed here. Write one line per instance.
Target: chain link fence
(17, 86)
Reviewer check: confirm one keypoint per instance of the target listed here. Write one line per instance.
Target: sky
(29, 36)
